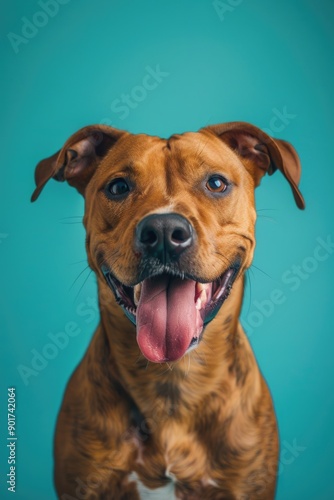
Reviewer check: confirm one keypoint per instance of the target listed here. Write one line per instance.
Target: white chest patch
(165, 493)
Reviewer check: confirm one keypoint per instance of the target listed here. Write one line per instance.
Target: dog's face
(163, 226)
(170, 223)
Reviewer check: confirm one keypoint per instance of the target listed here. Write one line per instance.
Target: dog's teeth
(198, 304)
(203, 296)
(201, 286)
(136, 293)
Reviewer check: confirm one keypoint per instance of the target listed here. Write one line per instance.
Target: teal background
(261, 57)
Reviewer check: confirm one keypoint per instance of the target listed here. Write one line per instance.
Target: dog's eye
(118, 187)
(216, 184)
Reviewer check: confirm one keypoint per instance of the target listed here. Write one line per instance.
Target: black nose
(164, 236)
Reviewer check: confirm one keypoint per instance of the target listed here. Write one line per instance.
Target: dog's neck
(223, 357)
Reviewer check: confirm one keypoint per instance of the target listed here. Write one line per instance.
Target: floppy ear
(76, 162)
(265, 153)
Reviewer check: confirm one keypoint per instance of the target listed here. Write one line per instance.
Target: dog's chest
(176, 463)
(166, 492)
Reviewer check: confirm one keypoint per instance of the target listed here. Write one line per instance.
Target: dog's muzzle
(170, 307)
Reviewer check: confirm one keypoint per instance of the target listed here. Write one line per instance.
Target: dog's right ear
(76, 162)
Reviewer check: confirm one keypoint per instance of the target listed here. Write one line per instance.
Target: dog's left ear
(76, 162)
(265, 153)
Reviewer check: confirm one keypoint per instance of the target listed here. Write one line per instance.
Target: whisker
(70, 223)
(248, 271)
(261, 271)
(165, 370)
(76, 279)
(224, 258)
(200, 150)
(270, 219)
(72, 217)
(69, 220)
(83, 284)
(138, 359)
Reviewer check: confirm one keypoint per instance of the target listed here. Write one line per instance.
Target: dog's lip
(220, 289)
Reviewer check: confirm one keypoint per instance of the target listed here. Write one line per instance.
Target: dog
(168, 401)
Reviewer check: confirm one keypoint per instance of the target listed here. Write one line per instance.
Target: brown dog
(168, 398)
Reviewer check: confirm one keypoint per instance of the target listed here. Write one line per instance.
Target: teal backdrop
(69, 63)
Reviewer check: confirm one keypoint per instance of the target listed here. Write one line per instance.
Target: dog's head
(170, 223)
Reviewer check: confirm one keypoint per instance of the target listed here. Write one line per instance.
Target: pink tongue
(167, 318)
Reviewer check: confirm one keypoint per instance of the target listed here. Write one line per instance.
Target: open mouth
(170, 311)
